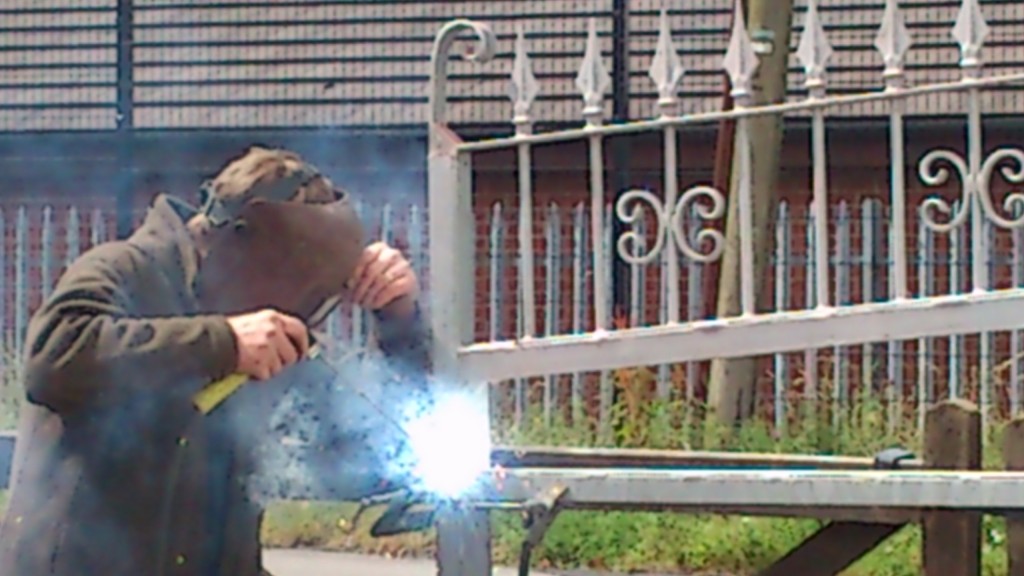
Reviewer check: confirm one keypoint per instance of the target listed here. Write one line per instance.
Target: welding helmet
(266, 250)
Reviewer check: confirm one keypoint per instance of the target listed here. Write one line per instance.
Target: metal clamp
(538, 514)
(890, 458)
(402, 516)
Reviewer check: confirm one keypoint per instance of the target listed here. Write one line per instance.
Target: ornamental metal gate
(463, 532)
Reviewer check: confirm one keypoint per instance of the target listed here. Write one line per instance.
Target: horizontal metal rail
(557, 457)
(634, 489)
(643, 126)
(745, 336)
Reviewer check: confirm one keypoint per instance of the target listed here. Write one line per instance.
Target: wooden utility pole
(769, 23)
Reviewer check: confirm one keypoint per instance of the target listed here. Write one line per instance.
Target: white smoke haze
(361, 427)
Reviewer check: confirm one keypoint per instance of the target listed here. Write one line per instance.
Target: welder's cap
(267, 249)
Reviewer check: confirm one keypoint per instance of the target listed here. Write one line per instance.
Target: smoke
(356, 425)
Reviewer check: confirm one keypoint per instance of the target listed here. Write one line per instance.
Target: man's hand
(268, 342)
(383, 278)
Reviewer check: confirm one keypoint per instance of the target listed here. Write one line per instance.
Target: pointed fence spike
(593, 79)
(970, 31)
(814, 50)
(740, 59)
(666, 68)
(893, 42)
(523, 89)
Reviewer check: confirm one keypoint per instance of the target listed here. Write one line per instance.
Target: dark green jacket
(115, 474)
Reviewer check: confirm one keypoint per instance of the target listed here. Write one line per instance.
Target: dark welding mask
(266, 250)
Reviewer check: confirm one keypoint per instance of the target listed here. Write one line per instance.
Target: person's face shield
(291, 256)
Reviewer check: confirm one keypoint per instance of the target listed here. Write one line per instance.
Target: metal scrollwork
(632, 246)
(934, 174)
(629, 210)
(1013, 175)
(704, 212)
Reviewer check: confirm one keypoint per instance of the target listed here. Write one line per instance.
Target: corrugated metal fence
(40, 241)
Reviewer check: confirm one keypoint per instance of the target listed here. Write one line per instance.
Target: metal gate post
(463, 534)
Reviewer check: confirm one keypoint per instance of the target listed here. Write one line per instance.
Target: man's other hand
(268, 342)
(383, 278)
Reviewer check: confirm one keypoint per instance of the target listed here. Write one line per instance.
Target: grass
(630, 542)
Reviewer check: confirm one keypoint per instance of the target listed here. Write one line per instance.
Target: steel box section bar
(579, 458)
(745, 336)
(626, 489)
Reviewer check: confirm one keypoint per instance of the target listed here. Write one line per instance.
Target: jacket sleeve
(83, 346)
(406, 340)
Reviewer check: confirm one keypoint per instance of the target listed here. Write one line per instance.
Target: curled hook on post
(486, 48)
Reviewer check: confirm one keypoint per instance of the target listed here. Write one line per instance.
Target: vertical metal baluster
(814, 52)
(20, 280)
(867, 250)
(970, 32)
(98, 228)
(893, 42)
(925, 384)
(782, 274)
(579, 300)
(523, 90)
(46, 258)
(552, 297)
(495, 287)
(955, 287)
(840, 384)
(740, 63)
(894, 392)
(695, 304)
(810, 302)
(73, 236)
(636, 276)
(667, 72)
(1016, 351)
(593, 81)
(606, 391)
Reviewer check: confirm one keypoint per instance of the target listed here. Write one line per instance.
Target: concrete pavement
(316, 563)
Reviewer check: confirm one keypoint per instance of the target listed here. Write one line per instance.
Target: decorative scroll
(629, 209)
(1012, 162)
(934, 171)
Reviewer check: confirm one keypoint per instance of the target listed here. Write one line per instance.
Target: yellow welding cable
(211, 396)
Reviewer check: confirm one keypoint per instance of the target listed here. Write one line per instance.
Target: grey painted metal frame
(632, 488)
(464, 548)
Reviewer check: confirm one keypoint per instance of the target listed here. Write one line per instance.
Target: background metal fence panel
(46, 239)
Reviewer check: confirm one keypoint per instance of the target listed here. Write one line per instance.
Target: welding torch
(214, 394)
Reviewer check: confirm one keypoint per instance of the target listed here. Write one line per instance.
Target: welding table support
(837, 545)
(539, 513)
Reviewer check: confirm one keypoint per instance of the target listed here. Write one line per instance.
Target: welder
(116, 473)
